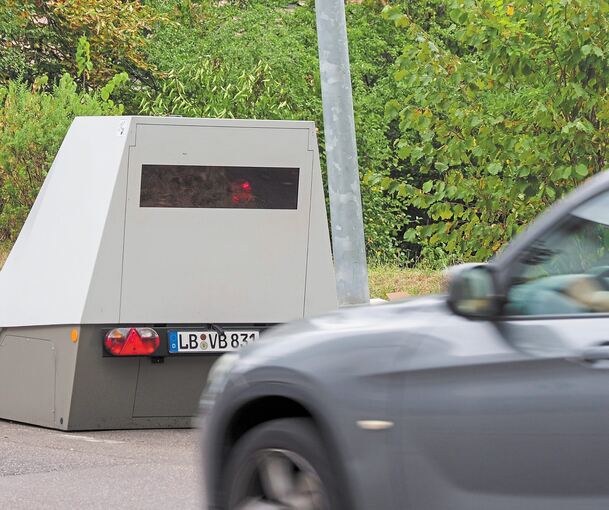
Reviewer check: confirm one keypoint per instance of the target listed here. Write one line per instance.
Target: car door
(514, 413)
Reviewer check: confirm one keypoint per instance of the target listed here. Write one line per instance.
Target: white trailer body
(168, 223)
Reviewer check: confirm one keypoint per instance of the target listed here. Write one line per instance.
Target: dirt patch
(414, 282)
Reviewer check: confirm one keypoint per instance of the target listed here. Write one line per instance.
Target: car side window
(566, 271)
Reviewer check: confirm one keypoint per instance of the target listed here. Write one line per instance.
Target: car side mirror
(472, 291)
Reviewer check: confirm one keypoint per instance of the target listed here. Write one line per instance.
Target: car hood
(352, 325)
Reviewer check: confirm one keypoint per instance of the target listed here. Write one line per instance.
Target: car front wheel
(280, 465)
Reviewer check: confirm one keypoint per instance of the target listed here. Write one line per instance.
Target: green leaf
(392, 109)
(404, 190)
(416, 154)
(410, 235)
(401, 74)
(581, 170)
(392, 12)
(579, 90)
(402, 21)
(494, 168)
(445, 212)
(427, 186)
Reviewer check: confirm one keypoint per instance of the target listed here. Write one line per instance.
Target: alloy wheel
(282, 480)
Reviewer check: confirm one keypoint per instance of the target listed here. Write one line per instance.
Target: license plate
(210, 341)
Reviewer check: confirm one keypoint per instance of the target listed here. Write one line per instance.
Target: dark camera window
(231, 187)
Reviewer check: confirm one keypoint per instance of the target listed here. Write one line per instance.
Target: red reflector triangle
(133, 344)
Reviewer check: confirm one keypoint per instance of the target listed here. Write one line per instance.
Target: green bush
(471, 115)
(503, 107)
(33, 123)
(42, 37)
(274, 43)
(219, 59)
(210, 89)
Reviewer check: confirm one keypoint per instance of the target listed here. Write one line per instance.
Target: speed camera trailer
(155, 245)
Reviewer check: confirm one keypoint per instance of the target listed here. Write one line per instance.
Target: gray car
(495, 396)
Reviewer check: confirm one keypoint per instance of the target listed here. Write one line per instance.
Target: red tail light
(132, 341)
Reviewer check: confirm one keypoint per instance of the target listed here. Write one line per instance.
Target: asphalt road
(48, 469)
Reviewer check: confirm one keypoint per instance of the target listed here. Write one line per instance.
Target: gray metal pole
(341, 154)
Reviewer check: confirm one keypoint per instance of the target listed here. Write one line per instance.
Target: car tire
(281, 464)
